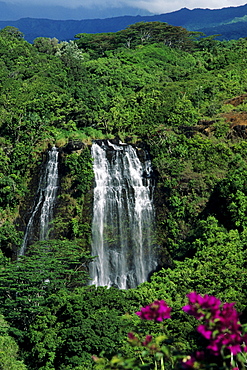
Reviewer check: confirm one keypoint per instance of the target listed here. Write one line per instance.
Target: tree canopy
(183, 96)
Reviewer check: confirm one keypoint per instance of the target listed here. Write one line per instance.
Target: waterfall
(42, 213)
(123, 217)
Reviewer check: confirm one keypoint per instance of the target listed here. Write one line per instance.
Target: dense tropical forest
(183, 96)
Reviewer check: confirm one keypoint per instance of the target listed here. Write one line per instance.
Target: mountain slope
(223, 21)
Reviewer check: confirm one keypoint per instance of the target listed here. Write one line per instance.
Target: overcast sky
(153, 6)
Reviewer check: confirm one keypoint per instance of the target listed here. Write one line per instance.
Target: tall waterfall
(42, 213)
(123, 217)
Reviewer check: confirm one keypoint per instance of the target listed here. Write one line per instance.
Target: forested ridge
(228, 23)
(181, 95)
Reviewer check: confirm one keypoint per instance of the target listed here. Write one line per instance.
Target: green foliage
(8, 350)
(80, 167)
(46, 45)
(27, 282)
(11, 33)
(9, 237)
(183, 113)
(151, 82)
(223, 348)
(138, 34)
(77, 326)
(9, 192)
(231, 193)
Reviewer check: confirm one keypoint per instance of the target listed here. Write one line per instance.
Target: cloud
(74, 3)
(161, 6)
(153, 6)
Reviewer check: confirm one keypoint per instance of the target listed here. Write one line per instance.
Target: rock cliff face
(74, 204)
(237, 123)
(26, 204)
(237, 119)
(67, 200)
(73, 145)
(39, 223)
(236, 100)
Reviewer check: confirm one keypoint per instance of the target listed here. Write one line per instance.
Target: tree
(183, 113)
(46, 45)
(11, 32)
(230, 195)
(78, 325)
(26, 283)
(8, 349)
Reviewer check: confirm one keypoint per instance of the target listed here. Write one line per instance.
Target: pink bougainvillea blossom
(188, 362)
(131, 336)
(204, 331)
(157, 311)
(199, 305)
(147, 340)
(220, 323)
(193, 362)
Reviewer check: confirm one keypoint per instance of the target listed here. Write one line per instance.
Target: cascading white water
(123, 217)
(43, 209)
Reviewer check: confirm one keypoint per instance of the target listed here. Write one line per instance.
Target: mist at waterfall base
(123, 217)
(39, 222)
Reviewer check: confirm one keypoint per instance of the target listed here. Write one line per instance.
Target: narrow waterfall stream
(39, 222)
(123, 217)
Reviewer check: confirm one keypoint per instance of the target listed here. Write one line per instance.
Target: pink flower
(157, 311)
(215, 346)
(188, 362)
(204, 331)
(228, 317)
(195, 301)
(199, 305)
(221, 326)
(193, 362)
(235, 348)
(147, 340)
(131, 336)
(133, 340)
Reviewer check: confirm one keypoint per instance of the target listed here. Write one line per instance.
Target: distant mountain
(230, 22)
(227, 31)
(15, 11)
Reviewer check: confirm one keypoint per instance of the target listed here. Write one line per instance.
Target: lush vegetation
(184, 96)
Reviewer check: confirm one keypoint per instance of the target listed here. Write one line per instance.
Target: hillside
(181, 102)
(229, 22)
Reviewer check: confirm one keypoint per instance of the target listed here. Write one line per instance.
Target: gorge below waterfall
(123, 216)
(39, 222)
